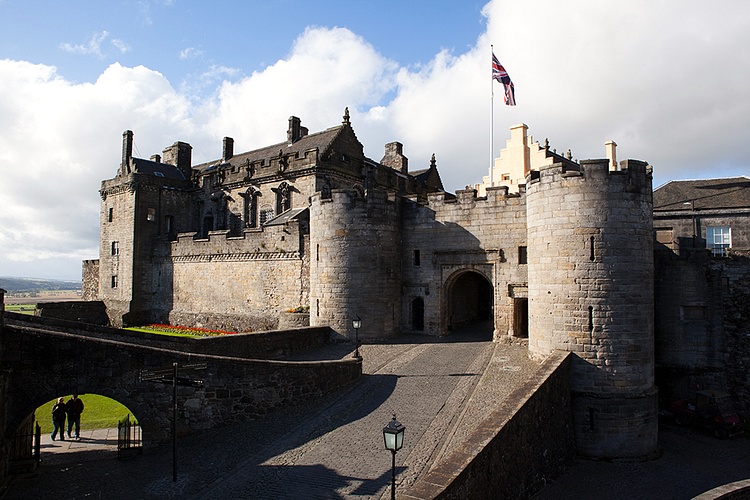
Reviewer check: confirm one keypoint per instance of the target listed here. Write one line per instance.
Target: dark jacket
(58, 412)
(74, 407)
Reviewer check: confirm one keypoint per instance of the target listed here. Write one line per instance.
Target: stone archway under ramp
(469, 303)
(44, 356)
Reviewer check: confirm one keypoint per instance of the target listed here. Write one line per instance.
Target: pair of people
(72, 412)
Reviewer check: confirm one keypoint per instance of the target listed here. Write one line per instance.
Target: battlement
(260, 243)
(632, 175)
(497, 196)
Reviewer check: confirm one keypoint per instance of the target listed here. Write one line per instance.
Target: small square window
(114, 281)
(718, 239)
(115, 248)
(151, 216)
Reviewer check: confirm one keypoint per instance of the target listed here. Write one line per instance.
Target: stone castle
(548, 249)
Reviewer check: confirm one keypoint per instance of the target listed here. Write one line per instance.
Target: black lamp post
(357, 324)
(393, 435)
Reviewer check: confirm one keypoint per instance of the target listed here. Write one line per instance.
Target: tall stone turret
(355, 262)
(590, 269)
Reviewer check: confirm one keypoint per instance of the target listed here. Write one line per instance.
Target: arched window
(283, 198)
(250, 207)
(208, 225)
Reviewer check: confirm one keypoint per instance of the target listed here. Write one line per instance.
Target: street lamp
(393, 435)
(357, 324)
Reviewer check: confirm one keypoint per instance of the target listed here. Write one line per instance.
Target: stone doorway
(521, 318)
(417, 314)
(470, 300)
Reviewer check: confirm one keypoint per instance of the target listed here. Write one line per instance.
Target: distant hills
(34, 285)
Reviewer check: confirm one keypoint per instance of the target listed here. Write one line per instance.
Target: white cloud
(664, 82)
(190, 53)
(92, 47)
(120, 45)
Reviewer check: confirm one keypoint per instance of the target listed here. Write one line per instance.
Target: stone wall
(736, 271)
(93, 311)
(702, 325)
(261, 345)
(90, 280)
(234, 283)
(519, 447)
(456, 235)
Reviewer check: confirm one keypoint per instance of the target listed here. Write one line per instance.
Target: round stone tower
(591, 282)
(355, 262)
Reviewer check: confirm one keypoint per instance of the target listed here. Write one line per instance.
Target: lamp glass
(393, 435)
(356, 323)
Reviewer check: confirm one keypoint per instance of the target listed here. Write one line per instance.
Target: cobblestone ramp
(329, 448)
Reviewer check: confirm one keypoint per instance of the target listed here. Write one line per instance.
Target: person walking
(74, 408)
(58, 419)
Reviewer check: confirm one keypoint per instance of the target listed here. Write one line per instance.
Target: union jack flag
(499, 74)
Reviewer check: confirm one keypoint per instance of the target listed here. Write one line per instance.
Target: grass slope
(99, 412)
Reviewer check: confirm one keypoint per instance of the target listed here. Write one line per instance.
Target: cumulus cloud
(661, 81)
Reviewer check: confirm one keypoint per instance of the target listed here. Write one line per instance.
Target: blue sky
(665, 80)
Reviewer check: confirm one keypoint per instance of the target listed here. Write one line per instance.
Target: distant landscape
(29, 290)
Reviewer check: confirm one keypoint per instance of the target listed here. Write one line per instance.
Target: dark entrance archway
(470, 301)
(417, 314)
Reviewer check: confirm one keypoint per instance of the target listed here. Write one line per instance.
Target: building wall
(456, 235)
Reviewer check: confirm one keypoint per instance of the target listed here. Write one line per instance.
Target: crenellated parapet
(271, 241)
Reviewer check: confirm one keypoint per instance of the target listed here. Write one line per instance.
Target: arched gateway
(469, 300)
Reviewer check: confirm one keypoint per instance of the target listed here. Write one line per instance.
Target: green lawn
(21, 308)
(99, 412)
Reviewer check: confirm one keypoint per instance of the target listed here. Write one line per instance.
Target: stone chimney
(156, 158)
(611, 149)
(296, 131)
(394, 157)
(127, 152)
(180, 154)
(227, 150)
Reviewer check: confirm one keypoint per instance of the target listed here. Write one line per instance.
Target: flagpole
(492, 122)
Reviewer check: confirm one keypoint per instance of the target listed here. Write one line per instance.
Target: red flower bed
(194, 330)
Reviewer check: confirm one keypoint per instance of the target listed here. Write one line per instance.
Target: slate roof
(289, 215)
(733, 192)
(157, 169)
(320, 140)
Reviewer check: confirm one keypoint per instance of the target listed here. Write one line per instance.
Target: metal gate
(129, 440)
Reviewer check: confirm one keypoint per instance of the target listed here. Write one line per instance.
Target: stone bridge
(41, 359)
